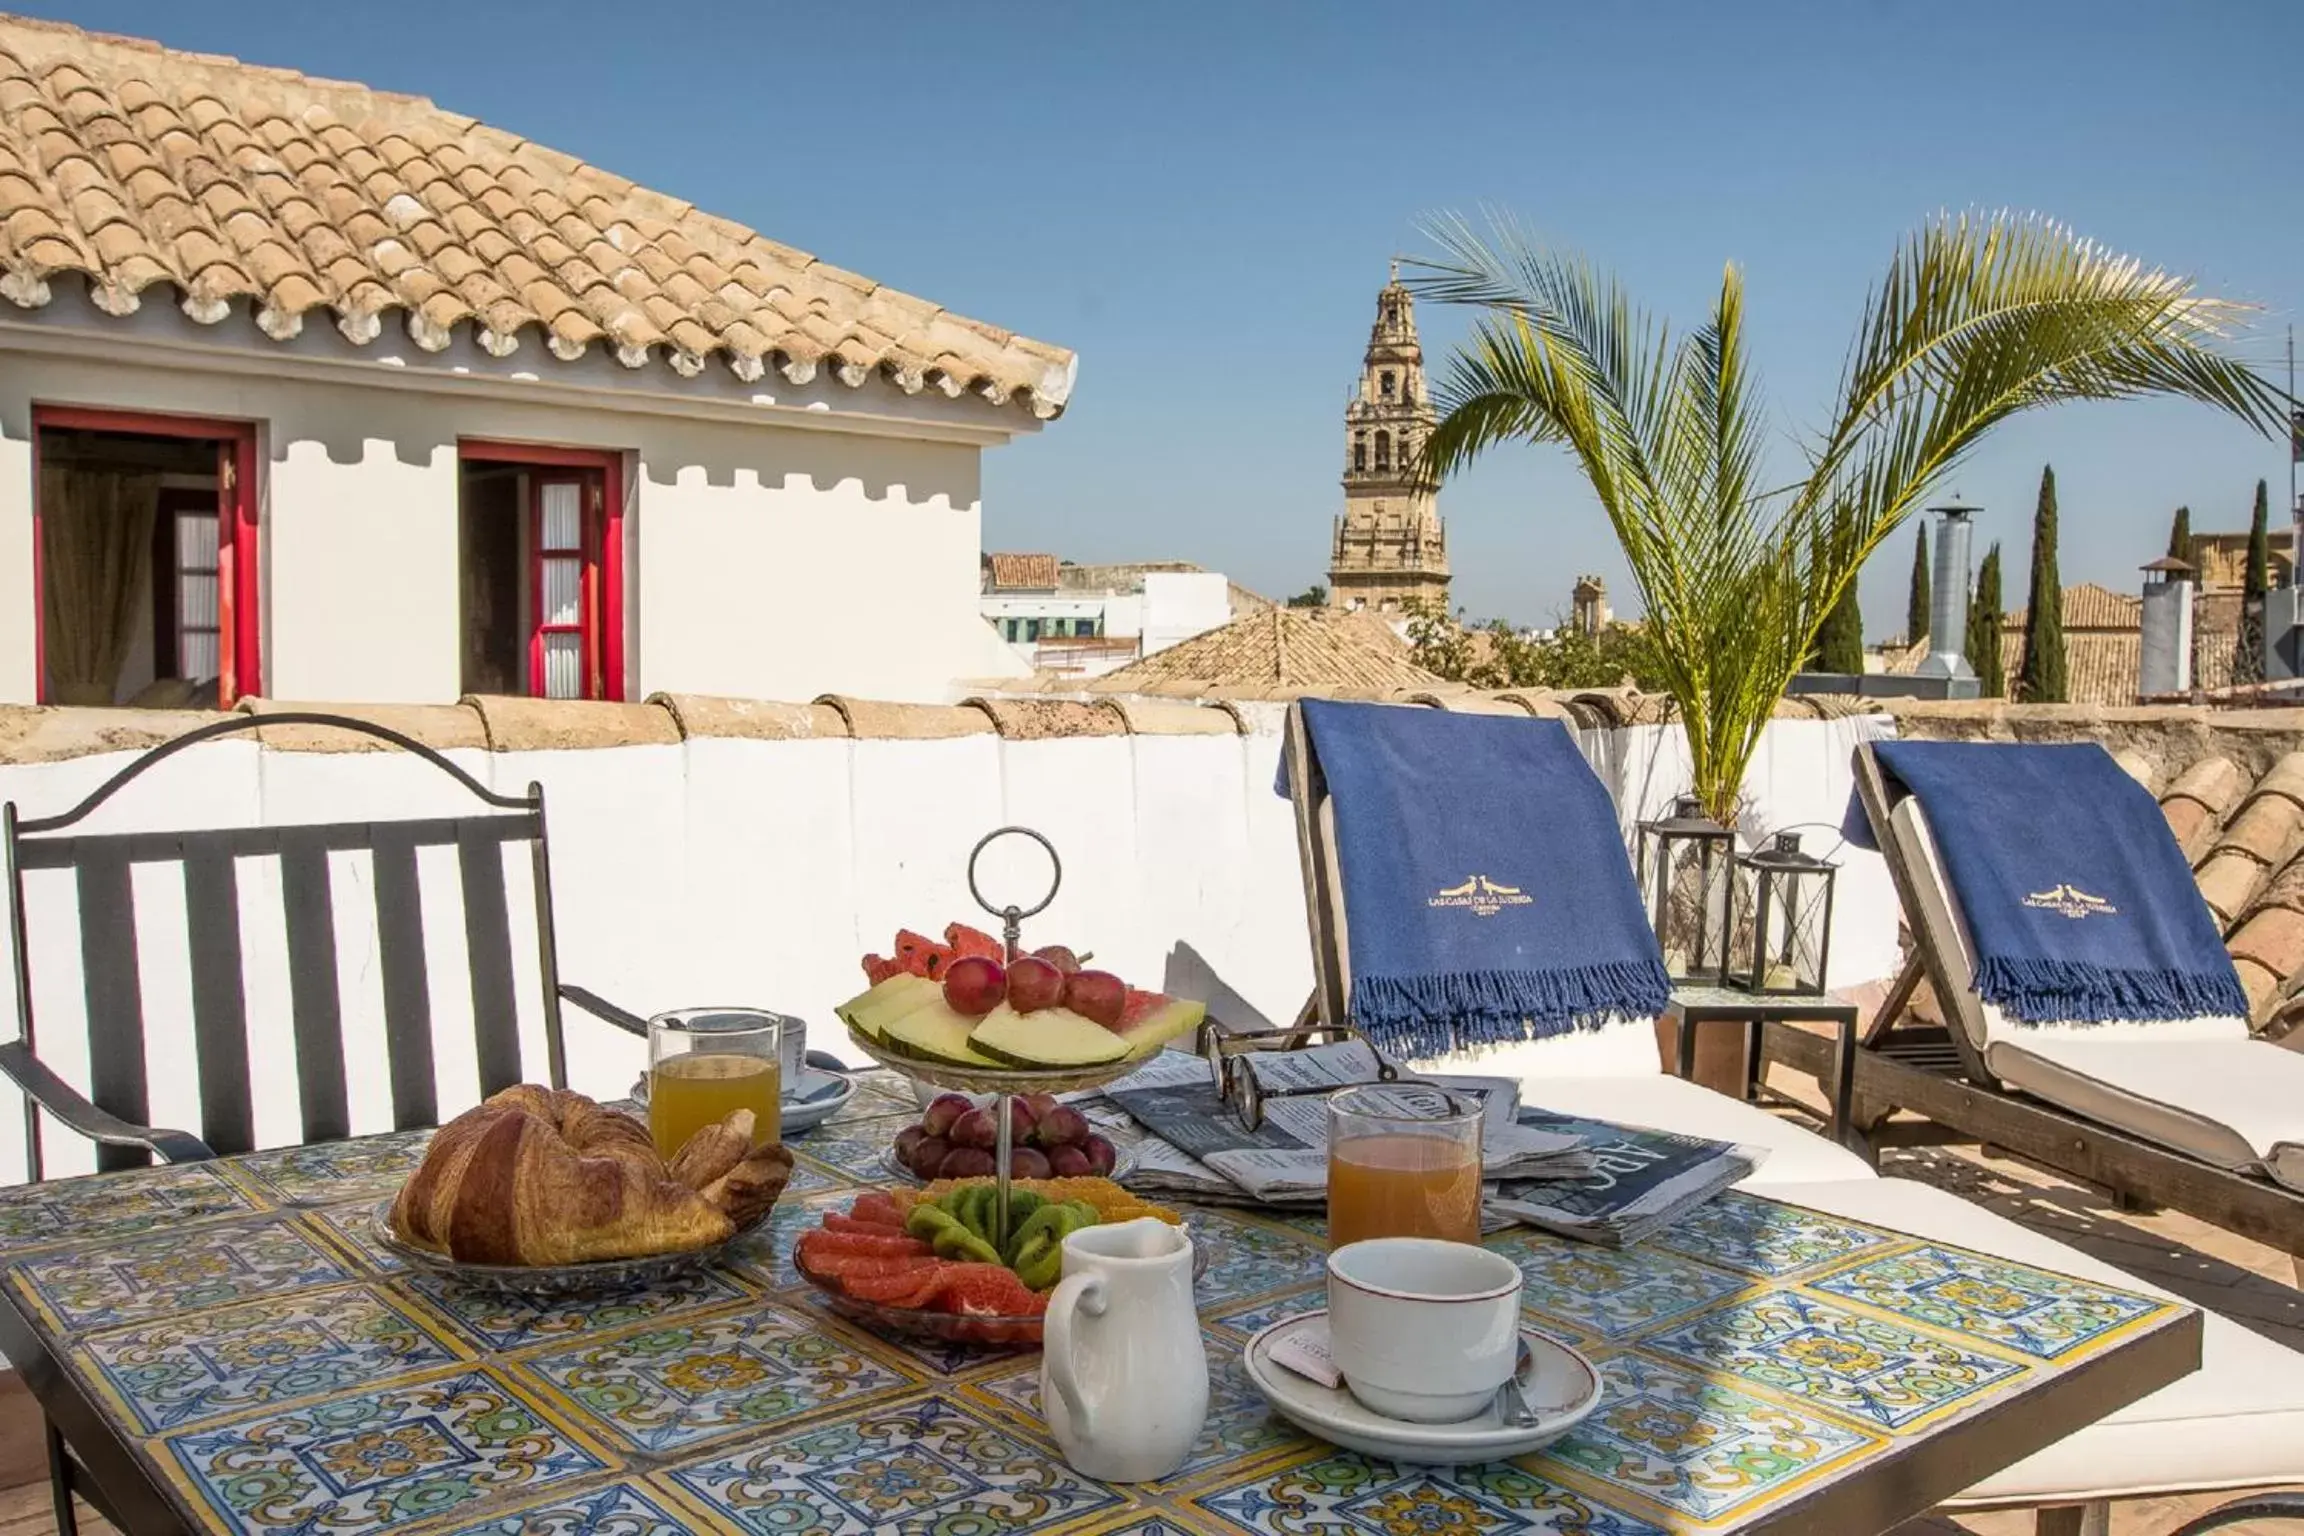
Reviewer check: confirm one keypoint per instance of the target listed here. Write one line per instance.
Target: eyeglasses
(1246, 1087)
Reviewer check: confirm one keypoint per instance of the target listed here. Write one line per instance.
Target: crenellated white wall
(721, 870)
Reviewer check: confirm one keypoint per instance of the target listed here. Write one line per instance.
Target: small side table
(1693, 1005)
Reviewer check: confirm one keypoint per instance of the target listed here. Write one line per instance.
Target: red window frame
(168, 573)
(601, 612)
(240, 651)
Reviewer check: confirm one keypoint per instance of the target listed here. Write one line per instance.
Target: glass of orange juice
(1403, 1161)
(704, 1063)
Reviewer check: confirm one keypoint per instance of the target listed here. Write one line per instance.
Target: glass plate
(952, 1327)
(552, 1279)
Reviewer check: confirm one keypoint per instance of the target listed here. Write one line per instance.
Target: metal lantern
(1687, 862)
(1783, 920)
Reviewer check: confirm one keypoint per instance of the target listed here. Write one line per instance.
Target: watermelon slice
(921, 955)
(964, 940)
(1150, 1020)
(878, 968)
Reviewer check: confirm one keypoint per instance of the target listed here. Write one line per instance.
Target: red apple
(1097, 995)
(928, 1154)
(974, 985)
(1068, 1163)
(1024, 1163)
(966, 1163)
(1101, 1157)
(1059, 956)
(976, 1128)
(943, 1111)
(1063, 1127)
(1034, 984)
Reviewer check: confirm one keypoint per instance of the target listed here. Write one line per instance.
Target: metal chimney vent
(1948, 595)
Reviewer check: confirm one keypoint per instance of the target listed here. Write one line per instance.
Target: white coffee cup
(1423, 1330)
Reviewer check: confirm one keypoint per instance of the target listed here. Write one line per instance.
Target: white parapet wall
(708, 851)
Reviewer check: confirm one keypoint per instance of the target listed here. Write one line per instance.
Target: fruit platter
(927, 1262)
(957, 1138)
(967, 1014)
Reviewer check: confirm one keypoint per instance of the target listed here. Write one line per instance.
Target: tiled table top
(274, 1372)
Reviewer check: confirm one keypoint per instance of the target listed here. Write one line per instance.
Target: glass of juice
(1403, 1161)
(704, 1063)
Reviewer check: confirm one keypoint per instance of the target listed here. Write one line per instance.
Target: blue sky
(1200, 198)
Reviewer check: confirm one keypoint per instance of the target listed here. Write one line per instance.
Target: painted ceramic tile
(495, 1320)
(2017, 1307)
(1877, 1372)
(855, 1150)
(1341, 1492)
(1247, 1258)
(178, 1370)
(372, 1166)
(117, 1205)
(879, 1093)
(924, 1466)
(352, 1227)
(671, 1387)
(1604, 1292)
(1695, 1445)
(207, 1266)
(1261, 1314)
(377, 1461)
(808, 1179)
(1240, 1427)
(620, 1509)
(1763, 1238)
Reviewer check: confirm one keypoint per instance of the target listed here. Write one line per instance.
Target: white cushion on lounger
(2201, 1086)
(2237, 1422)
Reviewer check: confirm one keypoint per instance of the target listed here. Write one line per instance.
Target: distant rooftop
(1300, 647)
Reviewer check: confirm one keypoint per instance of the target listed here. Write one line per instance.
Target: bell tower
(1390, 547)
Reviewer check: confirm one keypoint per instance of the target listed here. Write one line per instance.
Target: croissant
(546, 1176)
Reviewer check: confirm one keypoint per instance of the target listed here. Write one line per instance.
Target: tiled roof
(1296, 647)
(2104, 645)
(2089, 606)
(1128, 576)
(1022, 573)
(134, 166)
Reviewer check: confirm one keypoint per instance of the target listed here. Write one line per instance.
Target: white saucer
(810, 1102)
(1562, 1386)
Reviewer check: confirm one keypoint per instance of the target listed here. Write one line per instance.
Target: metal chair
(116, 1110)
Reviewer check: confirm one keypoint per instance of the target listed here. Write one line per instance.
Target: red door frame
(240, 630)
(604, 596)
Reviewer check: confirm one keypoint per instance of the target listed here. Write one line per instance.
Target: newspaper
(1199, 1150)
(1644, 1180)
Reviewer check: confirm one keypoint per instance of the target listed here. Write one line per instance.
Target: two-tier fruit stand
(1002, 1082)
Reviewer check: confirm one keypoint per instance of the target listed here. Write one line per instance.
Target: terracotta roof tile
(1292, 648)
(130, 164)
(1026, 573)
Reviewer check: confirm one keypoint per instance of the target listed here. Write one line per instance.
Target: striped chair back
(357, 878)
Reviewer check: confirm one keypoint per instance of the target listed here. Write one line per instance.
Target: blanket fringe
(2070, 992)
(1414, 1017)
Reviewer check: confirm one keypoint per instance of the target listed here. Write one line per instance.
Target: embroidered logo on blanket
(2069, 901)
(1482, 896)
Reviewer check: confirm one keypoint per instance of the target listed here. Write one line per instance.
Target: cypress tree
(1916, 606)
(2180, 537)
(2042, 679)
(1840, 642)
(1984, 627)
(2248, 656)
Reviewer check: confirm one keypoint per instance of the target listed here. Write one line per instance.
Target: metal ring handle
(1014, 913)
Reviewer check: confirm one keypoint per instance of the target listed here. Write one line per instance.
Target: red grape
(1097, 995)
(1063, 1127)
(928, 1155)
(976, 1128)
(965, 1163)
(1024, 1163)
(974, 985)
(1101, 1157)
(1034, 984)
(1059, 956)
(943, 1110)
(1068, 1163)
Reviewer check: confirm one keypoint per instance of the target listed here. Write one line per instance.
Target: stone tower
(1390, 547)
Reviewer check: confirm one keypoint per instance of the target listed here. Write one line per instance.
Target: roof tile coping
(53, 733)
(878, 719)
(561, 725)
(711, 716)
(442, 727)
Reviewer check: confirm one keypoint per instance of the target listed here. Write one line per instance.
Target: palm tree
(1978, 318)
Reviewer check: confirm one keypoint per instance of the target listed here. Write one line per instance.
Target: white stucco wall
(757, 872)
(765, 560)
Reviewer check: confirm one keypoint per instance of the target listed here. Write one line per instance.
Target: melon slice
(934, 1032)
(1150, 1021)
(868, 1012)
(1046, 1037)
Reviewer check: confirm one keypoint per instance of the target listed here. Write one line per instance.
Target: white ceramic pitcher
(1123, 1372)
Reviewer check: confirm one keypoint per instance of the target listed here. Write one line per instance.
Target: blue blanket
(2079, 903)
(1487, 897)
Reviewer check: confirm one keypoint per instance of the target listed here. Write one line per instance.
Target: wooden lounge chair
(2236, 1423)
(322, 873)
(2195, 1115)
